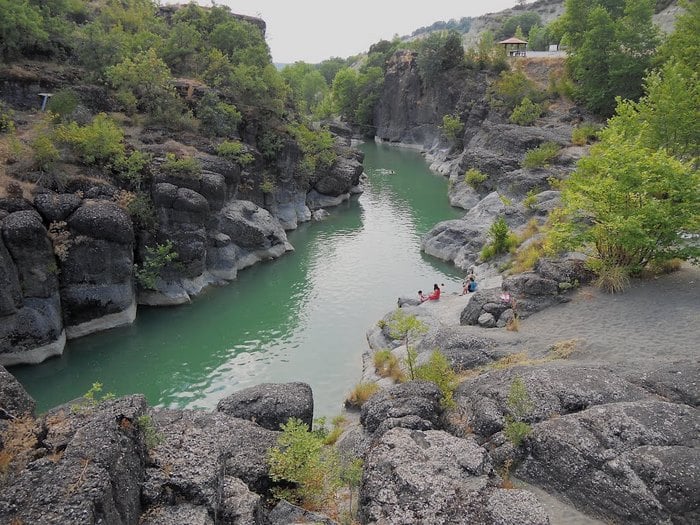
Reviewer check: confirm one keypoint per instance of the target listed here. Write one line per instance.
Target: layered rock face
(67, 258)
(31, 324)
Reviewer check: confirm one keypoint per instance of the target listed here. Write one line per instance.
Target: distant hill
(547, 10)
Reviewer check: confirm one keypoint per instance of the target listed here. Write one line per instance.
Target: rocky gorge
(613, 420)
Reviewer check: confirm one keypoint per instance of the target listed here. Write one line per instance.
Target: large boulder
(271, 404)
(14, 399)
(415, 405)
(250, 226)
(96, 277)
(31, 327)
(56, 207)
(460, 240)
(94, 477)
(433, 477)
(462, 348)
(201, 453)
(343, 175)
(628, 462)
(553, 389)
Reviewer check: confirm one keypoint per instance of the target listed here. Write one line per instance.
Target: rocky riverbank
(613, 418)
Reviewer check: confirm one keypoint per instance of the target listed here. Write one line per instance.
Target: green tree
(21, 27)
(369, 86)
(683, 45)
(439, 52)
(611, 45)
(345, 93)
(630, 202)
(405, 327)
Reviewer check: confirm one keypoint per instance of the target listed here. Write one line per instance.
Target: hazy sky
(313, 30)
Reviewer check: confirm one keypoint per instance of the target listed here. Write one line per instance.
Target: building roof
(512, 40)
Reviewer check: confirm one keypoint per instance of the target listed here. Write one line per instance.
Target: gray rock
(102, 220)
(177, 515)
(250, 226)
(415, 404)
(284, 513)
(676, 382)
(461, 347)
(632, 462)
(554, 389)
(10, 290)
(95, 479)
(433, 478)
(344, 174)
(55, 207)
(239, 506)
(14, 399)
(27, 242)
(514, 507)
(271, 404)
(532, 293)
(199, 451)
(571, 268)
(487, 320)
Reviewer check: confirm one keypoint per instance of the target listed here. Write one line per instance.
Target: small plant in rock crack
(151, 436)
(519, 404)
(91, 399)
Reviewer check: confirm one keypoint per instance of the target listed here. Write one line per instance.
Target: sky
(314, 30)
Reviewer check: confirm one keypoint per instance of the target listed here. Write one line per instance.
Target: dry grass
(612, 279)
(513, 325)
(387, 364)
(511, 360)
(18, 439)
(361, 393)
(563, 349)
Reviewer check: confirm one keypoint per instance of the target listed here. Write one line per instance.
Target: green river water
(302, 317)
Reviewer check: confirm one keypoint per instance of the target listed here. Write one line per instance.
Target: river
(302, 317)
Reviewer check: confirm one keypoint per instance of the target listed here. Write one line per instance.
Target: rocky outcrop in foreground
(612, 448)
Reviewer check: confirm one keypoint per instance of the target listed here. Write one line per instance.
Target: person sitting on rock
(471, 286)
(421, 296)
(436, 293)
(467, 280)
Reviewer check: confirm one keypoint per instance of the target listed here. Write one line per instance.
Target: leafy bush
(217, 117)
(452, 127)
(301, 458)
(187, 166)
(540, 156)
(519, 405)
(317, 147)
(584, 134)
(474, 177)
(45, 152)
(235, 151)
(530, 199)
(439, 52)
(526, 113)
(130, 168)
(511, 88)
(63, 103)
(6, 119)
(140, 209)
(154, 261)
(95, 143)
(439, 371)
(502, 239)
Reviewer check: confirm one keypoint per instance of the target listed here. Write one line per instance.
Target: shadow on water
(302, 317)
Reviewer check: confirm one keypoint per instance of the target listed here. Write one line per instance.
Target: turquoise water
(302, 317)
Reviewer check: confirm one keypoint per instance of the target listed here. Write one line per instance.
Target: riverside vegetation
(184, 466)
